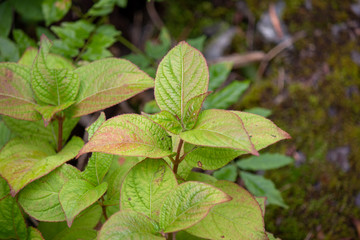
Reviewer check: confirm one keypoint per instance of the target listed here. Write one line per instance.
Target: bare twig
(274, 18)
(240, 60)
(276, 50)
(155, 18)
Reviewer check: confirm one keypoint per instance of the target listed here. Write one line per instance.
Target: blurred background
(294, 61)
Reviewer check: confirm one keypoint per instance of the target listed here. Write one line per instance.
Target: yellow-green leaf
(23, 161)
(106, 82)
(12, 223)
(166, 120)
(129, 225)
(54, 86)
(219, 128)
(240, 218)
(188, 204)
(145, 187)
(16, 97)
(130, 135)
(76, 195)
(181, 76)
(262, 131)
(40, 199)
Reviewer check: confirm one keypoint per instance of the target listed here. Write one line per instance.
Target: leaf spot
(129, 198)
(273, 135)
(199, 164)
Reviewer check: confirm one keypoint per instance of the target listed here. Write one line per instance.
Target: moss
(321, 112)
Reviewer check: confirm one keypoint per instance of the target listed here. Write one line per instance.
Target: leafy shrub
(150, 192)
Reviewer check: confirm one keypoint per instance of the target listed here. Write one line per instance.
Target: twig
(274, 18)
(276, 50)
(129, 45)
(240, 60)
(155, 18)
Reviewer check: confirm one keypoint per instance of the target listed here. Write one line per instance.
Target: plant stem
(177, 158)
(171, 236)
(103, 207)
(60, 132)
(129, 45)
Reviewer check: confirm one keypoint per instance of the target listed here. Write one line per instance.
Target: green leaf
(44, 31)
(151, 107)
(102, 8)
(130, 135)
(23, 161)
(129, 225)
(76, 195)
(53, 60)
(227, 96)
(77, 233)
(22, 40)
(5, 134)
(262, 203)
(47, 112)
(259, 111)
(16, 98)
(121, 3)
(116, 176)
(219, 128)
(116, 81)
(104, 37)
(181, 76)
(50, 85)
(95, 125)
(262, 131)
(265, 161)
(218, 72)
(54, 10)
(140, 60)
(6, 18)
(198, 42)
(188, 204)
(40, 199)
(182, 235)
(166, 120)
(4, 188)
(210, 158)
(201, 177)
(262, 187)
(192, 109)
(9, 52)
(34, 234)
(72, 37)
(99, 163)
(36, 129)
(97, 167)
(157, 51)
(86, 221)
(239, 218)
(12, 223)
(145, 187)
(228, 172)
(28, 10)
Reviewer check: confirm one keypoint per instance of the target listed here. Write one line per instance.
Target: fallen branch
(240, 60)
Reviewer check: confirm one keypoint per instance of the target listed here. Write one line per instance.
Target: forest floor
(313, 89)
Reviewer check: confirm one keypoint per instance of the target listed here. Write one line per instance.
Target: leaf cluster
(150, 191)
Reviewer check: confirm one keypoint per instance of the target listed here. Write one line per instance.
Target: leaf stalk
(177, 158)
